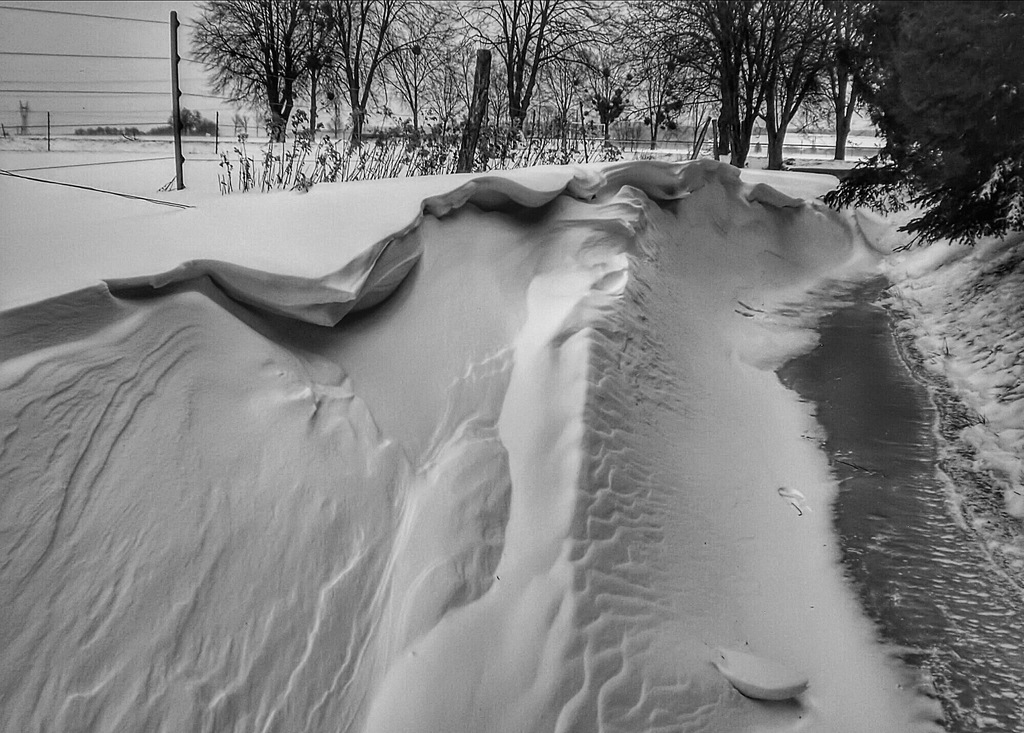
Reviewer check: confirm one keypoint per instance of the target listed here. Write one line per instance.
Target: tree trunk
(278, 124)
(723, 144)
(477, 110)
(776, 130)
(775, 142)
(516, 117)
(729, 117)
(741, 130)
(844, 120)
(842, 134)
(739, 140)
(312, 105)
(358, 116)
(583, 134)
(738, 157)
(844, 109)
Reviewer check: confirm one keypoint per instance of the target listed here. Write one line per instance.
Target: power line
(108, 92)
(82, 55)
(81, 15)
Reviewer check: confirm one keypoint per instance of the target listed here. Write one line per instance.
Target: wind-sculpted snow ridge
(533, 489)
(375, 268)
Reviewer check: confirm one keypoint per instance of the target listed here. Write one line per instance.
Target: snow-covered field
(502, 452)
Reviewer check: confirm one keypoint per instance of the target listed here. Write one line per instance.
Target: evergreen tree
(944, 83)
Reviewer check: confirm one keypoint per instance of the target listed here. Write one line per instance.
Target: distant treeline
(125, 131)
(192, 123)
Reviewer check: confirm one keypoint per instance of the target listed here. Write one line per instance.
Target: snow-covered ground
(962, 308)
(479, 453)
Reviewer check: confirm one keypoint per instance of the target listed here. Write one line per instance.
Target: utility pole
(179, 159)
(47, 132)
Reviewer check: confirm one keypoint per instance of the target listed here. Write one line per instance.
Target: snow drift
(485, 453)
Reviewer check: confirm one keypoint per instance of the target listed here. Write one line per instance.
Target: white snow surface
(488, 453)
(966, 315)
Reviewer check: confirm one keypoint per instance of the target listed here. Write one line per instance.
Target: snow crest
(375, 268)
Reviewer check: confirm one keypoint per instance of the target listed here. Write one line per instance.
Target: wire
(175, 204)
(86, 81)
(81, 15)
(93, 113)
(85, 125)
(82, 55)
(163, 80)
(100, 56)
(205, 96)
(83, 165)
(108, 92)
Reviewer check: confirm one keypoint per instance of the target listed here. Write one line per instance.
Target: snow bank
(963, 310)
(313, 257)
(535, 487)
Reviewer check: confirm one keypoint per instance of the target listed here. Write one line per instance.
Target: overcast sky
(29, 31)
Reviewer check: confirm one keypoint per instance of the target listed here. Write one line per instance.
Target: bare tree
(364, 38)
(416, 71)
(727, 41)
(256, 50)
(240, 123)
(559, 92)
(608, 80)
(765, 57)
(452, 90)
(449, 91)
(499, 101)
(528, 35)
(665, 84)
(845, 35)
(794, 60)
(318, 20)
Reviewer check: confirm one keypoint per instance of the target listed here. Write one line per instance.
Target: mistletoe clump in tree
(666, 83)
(664, 99)
(609, 100)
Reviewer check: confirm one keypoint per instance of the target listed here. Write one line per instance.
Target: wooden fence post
(477, 110)
(179, 159)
